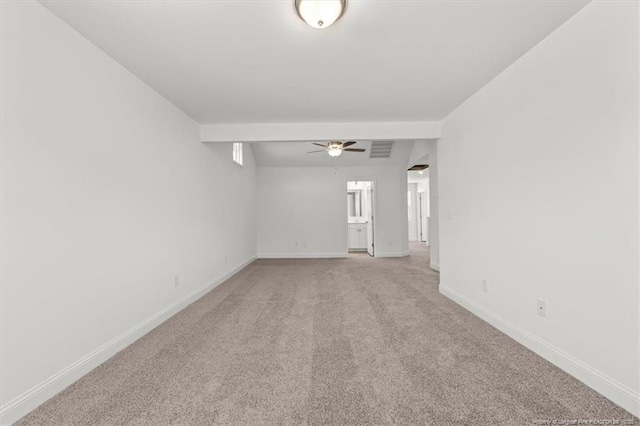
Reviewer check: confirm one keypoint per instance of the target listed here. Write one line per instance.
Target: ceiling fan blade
(319, 144)
(346, 144)
(320, 150)
(354, 149)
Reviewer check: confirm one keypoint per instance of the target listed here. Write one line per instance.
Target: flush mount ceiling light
(320, 13)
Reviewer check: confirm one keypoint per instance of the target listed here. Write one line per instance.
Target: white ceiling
(256, 61)
(294, 154)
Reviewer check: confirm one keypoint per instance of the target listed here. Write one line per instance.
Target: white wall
(434, 207)
(107, 192)
(540, 172)
(307, 206)
(419, 153)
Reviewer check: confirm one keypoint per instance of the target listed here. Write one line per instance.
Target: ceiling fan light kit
(320, 14)
(336, 148)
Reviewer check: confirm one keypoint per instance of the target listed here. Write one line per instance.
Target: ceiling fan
(335, 148)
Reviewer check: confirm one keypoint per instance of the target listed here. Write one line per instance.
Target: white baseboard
(302, 255)
(621, 394)
(31, 399)
(434, 266)
(326, 255)
(392, 253)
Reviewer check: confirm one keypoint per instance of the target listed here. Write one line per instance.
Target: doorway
(360, 218)
(423, 212)
(419, 207)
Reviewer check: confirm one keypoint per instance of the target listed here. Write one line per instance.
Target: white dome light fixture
(335, 149)
(320, 13)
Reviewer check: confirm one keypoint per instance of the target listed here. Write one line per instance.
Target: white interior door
(424, 225)
(370, 240)
(420, 227)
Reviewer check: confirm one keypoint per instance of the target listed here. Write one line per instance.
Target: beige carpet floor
(327, 341)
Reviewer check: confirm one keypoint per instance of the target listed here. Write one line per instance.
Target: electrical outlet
(449, 214)
(226, 258)
(542, 308)
(176, 280)
(485, 286)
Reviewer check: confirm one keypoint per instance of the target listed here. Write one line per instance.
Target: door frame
(375, 213)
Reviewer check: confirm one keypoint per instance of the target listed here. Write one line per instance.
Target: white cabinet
(358, 236)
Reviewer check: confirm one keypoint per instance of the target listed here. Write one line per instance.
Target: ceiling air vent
(381, 149)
